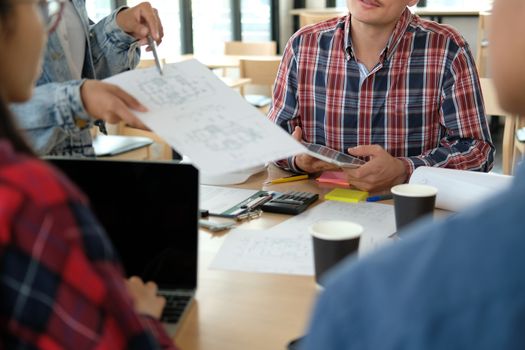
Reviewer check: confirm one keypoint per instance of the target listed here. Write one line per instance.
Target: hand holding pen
(140, 21)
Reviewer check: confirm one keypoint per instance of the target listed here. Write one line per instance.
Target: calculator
(290, 202)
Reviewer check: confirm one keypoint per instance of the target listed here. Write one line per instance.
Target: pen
(288, 179)
(256, 202)
(153, 45)
(379, 198)
(246, 215)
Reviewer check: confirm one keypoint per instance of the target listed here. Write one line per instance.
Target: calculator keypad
(291, 202)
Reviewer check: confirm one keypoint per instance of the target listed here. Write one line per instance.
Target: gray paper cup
(412, 201)
(333, 240)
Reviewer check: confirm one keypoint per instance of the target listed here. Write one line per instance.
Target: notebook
(150, 212)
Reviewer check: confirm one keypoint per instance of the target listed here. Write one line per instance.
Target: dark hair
(5, 9)
(7, 126)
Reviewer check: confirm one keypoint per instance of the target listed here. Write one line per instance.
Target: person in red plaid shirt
(385, 85)
(61, 284)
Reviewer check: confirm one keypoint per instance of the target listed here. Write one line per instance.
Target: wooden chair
(159, 150)
(307, 18)
(492, 107)
(241, 48)
(262, 72)
(146, 63)
(482, 56)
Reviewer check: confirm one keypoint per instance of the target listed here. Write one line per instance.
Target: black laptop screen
(150, 212)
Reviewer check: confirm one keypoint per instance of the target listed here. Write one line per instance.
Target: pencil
(288, 179)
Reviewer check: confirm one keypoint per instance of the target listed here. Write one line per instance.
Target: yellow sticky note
(344, 195)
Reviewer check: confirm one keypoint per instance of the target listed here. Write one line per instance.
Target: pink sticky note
(333, 177)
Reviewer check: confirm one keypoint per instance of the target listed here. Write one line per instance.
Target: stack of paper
(287, 247)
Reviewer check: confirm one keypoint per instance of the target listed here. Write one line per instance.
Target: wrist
(402, 173)
(296, 167)
(118, 18)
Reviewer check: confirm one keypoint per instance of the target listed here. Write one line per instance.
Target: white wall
(468, 27)
(315, 4)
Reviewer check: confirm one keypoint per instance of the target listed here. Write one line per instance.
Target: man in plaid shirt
(385, 85)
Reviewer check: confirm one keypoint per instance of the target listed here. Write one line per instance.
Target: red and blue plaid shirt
(61, 286)
(422, 102)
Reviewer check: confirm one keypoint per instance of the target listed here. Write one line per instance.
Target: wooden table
(240, 310)
(235, 83)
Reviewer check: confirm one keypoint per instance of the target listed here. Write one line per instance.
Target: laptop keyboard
(175, 306)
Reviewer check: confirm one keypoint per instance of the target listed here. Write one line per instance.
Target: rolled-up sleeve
(113, 50)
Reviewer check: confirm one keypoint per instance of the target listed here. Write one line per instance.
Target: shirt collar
(395, 38)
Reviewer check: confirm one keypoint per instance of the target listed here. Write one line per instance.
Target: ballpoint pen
(378, 198)
(153, 45)
(287, 179)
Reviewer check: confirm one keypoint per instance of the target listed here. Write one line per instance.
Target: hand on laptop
(145, 297)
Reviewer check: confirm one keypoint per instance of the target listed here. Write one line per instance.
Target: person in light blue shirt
(456, 284)
(69, 97)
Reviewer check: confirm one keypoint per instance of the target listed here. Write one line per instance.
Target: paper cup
(333, 240)
(412, 201)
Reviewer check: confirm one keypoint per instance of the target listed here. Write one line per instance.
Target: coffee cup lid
(336, 230)
(414, 190)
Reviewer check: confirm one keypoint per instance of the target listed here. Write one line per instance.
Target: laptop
(112, 145)
(150, 212)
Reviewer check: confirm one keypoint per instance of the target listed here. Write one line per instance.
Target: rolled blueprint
(459, 189)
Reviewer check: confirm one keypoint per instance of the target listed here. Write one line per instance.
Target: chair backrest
(241, 48)
(490, 98)
(146, 63)
(307, 18)
(261, 71)
(492, 107)
(160, 150)
(482, 54)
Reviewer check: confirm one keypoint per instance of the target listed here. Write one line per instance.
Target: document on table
(287, 247)
(202, 118)
(459, 189)
(218, 199)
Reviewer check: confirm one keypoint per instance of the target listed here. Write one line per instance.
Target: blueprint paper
(287, 247)
(202, 118)
(459, 189)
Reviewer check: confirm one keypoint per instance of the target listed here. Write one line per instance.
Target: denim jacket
(54, 120)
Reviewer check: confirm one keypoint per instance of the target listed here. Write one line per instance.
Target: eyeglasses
(51, 12)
